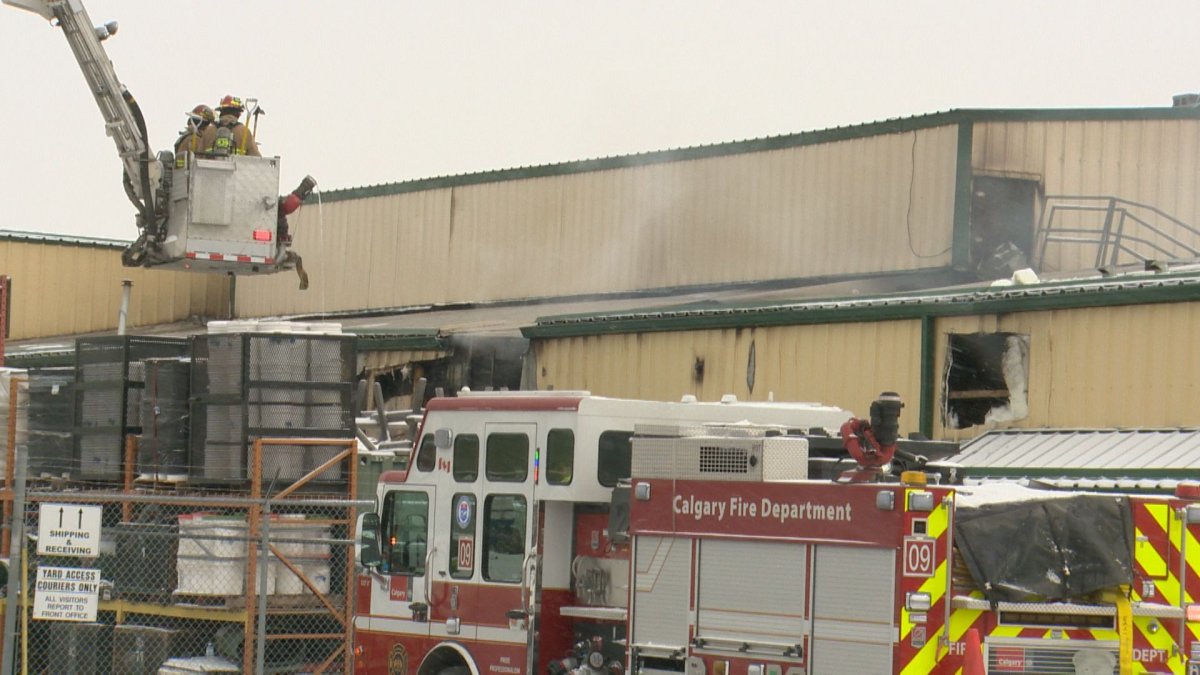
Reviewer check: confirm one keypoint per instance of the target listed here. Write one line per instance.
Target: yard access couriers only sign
(69, 529)
(66, 594)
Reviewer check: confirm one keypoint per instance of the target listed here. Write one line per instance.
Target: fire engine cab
(493, 552)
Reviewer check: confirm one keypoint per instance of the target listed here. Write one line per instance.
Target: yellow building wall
(1103, 367)
(845, 365)
(62, 289)
(877, 203)
(1150, 162)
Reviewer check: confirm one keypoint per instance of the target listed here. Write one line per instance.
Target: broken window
(985, 379)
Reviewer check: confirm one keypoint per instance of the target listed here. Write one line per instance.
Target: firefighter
(191, 139)
(231, 137)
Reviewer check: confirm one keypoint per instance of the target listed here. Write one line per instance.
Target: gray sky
(366, 92)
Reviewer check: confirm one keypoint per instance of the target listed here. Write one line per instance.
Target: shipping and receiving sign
(66, 594)
(69, 529)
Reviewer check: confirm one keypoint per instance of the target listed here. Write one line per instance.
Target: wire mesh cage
(279, 385)
(185, 581)
(110, 379)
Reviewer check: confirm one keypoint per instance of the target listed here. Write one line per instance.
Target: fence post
(16, 556)
(260, 645)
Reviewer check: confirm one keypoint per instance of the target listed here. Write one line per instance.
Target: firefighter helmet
(203, 113)
(232, 104)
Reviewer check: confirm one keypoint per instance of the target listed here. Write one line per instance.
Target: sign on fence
(69, 529)
(66, 594)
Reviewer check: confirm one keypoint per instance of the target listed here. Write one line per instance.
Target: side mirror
(618, 513)
(367, 539)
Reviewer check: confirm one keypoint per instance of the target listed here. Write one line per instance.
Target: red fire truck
(491, 553)
(734, 573)
(513, 544)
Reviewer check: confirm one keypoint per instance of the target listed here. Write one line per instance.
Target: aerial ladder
(198, 212)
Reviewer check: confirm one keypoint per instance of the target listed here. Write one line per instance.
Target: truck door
(853, 629)
(508, 594)
(401, 606)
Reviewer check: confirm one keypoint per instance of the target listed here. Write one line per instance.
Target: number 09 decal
(920, 557)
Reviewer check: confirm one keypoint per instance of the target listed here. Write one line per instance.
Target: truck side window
(507, 457)
(405, 532)
(427, 454)
(466, 458)
(462, 536)
(560, 456)
(503, 538)
(614, 457)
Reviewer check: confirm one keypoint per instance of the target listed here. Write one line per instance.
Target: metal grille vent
(1042, 660)
(719, 459)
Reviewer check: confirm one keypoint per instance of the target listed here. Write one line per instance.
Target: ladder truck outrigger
(561, 533)
(204, 211)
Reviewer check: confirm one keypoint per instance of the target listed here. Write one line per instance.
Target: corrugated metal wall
(1151, 162)
(876, 203)
(846, 365)
(1127, 366)
(65, 290)
(1124, 366)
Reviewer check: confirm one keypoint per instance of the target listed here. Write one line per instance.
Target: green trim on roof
(418, 339)
(61, 240)
(1166, 288)
(892, 126)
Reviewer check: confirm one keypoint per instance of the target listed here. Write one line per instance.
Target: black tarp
(1048, 549)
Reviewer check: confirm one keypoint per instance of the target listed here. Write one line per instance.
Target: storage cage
(270, 385)
(109, 381)
(51, 415)
(162, 449)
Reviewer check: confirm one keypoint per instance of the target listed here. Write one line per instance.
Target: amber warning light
(262, 235)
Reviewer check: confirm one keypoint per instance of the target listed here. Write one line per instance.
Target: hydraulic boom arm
(122, 118)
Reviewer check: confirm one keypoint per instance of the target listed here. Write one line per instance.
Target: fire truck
(737, 572)
(726, 554)
(491, 552)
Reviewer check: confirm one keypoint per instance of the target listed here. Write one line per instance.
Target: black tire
(455, 670)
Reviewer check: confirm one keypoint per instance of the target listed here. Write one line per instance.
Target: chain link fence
(158, 579)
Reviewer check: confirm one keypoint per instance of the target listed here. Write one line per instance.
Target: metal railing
(1122, 231)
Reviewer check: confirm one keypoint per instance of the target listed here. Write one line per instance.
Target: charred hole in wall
(985, 379)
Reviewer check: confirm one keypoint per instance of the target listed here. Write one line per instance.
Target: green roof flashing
(1182, 287)
(891, 126)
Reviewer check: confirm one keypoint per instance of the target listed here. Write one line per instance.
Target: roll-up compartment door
(751, 593)
(662, 582)
(853, 629)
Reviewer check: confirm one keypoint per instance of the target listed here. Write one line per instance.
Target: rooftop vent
(1186, 100)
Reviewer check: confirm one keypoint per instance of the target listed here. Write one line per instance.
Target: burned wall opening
(985, 379)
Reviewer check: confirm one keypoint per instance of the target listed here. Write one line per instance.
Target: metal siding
(662, 584)
(361, 254)
(859, 205)
(1151, 162)
(1106, 451)
(67, 290)
(1126, 366)
(751, 590)
(853, 610)
(847, 365)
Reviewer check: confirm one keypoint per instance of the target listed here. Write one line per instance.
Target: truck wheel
(455, 670)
